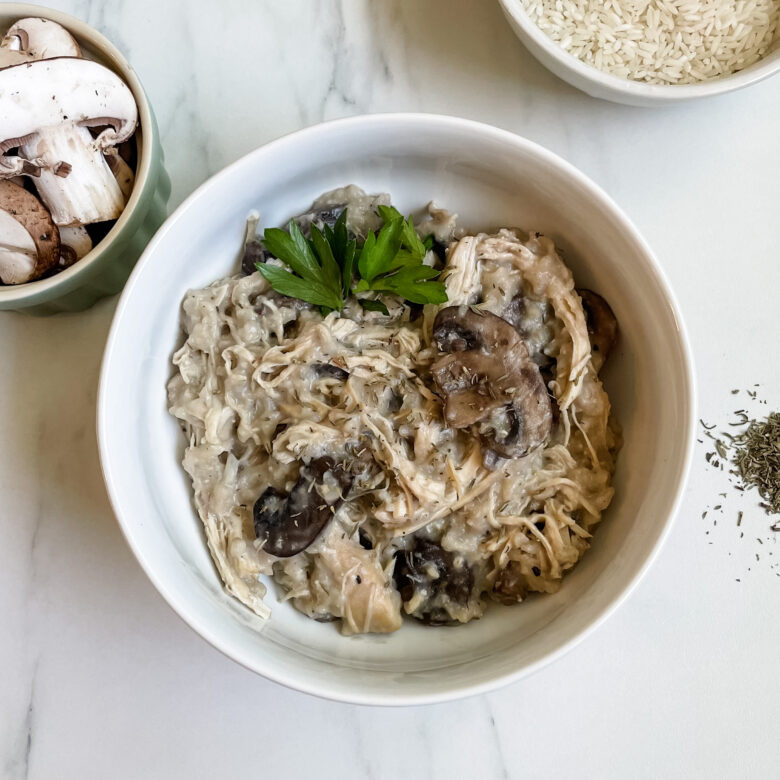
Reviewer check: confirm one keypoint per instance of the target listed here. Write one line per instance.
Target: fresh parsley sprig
(316, 275)
(322, 269)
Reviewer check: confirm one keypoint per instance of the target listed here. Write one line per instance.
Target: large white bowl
(603, 85)
(491, 178)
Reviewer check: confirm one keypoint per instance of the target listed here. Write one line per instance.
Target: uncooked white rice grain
(661, 41)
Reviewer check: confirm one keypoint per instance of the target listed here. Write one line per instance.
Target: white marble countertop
(101, 680)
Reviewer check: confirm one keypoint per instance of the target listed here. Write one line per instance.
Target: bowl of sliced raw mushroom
(82, 182)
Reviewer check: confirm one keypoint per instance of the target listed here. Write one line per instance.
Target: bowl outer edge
(343, 693)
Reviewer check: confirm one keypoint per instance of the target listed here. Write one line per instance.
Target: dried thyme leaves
(748, 449)
(757, 459)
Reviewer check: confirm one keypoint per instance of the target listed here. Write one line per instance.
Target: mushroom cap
(437, 583)
(41, 39)
(288, 524)
(602, 326)
(489, 381)
(9, 57)
(75, 90)
(26, 209)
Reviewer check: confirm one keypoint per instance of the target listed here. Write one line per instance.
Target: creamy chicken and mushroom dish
(414, 426)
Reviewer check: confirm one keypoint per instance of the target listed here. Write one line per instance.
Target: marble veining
(99, 679)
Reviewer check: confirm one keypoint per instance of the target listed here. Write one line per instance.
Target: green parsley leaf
(348, 265)
(292, 248)
(410, 239)
(373, 306)
(344, 249)
(412, 283)
(330, 268)
(286, 283)
(323, 267)
(378, 254)
(403, 259)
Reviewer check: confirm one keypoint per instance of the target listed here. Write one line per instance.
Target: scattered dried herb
(758, 459)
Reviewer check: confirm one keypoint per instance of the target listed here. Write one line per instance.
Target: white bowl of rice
(651, 52)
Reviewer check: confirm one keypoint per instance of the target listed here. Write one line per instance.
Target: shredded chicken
(421, 519)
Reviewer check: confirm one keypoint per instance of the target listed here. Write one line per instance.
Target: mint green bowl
(105, 269)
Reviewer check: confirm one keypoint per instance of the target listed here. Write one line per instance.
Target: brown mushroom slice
(532, 319)
(288, 524)
(546, 276)
(602, 326)
(435, 584)
(25, 219)
(47, 108)
(490, 382)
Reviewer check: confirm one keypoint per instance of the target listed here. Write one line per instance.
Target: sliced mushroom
(288, 524)
(18, 254)
(29, 239)
(602, 326)
(330, 371)
(123, 173)
(40, 39)
(489, 381)
(47, 106)
(36, 39)
(434, 583)
(75, 243)
(254, 253)
(531, 318)
(327, 215)
(9, 57)
(511, 584)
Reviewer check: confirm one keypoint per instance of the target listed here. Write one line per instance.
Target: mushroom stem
(123, 173)
(88, 192)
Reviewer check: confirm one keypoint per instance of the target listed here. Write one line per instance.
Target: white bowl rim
(664, 93)
(321, 687)
(85, 33)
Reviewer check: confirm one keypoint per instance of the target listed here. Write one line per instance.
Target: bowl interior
(96, 47)
(491, 178)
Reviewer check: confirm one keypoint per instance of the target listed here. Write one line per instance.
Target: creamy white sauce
(254, 406)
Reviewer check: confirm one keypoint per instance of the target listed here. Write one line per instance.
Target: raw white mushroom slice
(123, 173)
(73, 178)
(39, 39)
(74, 244)
(18, 254)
